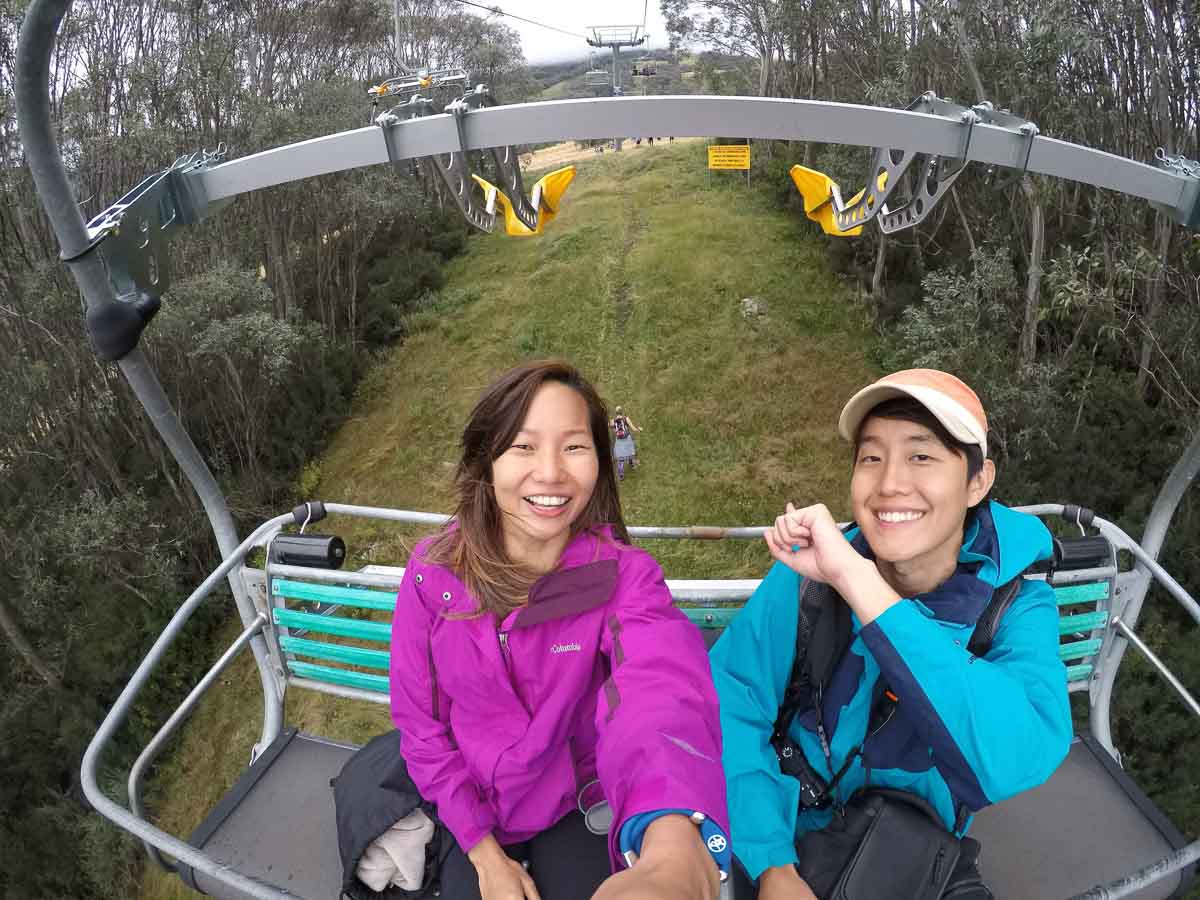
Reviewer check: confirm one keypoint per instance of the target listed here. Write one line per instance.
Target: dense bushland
(276, 308)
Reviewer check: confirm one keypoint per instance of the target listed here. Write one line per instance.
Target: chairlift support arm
(1175, 189)
(41, 23)
(941, 137)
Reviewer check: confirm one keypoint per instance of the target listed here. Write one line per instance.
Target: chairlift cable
(496, 10)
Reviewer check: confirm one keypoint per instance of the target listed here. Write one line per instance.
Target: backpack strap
(989, 620)
(823, 632)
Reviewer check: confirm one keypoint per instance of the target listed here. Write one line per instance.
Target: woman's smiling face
(910, 495)
(544, 480)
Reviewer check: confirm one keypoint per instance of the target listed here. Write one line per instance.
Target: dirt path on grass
(568, 152)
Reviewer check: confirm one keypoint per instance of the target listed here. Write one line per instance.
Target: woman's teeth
(543, 500)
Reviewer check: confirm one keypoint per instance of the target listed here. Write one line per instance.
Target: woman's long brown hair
(474, 550)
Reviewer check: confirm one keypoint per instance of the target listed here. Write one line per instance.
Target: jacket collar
(581, 582)
(963, 596)
(569, 592)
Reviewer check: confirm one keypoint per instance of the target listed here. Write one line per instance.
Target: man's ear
(978, 487)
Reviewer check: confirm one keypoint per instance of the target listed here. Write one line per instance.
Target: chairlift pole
(105, 310)
(615, 37)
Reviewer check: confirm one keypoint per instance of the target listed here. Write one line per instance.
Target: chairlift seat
(277, 823)
(1088, 824)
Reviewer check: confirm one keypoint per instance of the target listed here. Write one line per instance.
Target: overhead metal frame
(622, 35)
(691, 116)
(928, 146)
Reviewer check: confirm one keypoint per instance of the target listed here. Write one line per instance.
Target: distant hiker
(624, 449)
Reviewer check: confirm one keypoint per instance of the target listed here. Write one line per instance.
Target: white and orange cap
(952, 403)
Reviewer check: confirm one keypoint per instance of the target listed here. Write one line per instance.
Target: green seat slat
(711, 618)
(701, 617)
(377, 683)
(361, 598)
(1080, 648)
(1079, 673)
(353, 656)
(1082, 622)
(1089, 592)
(352, 628)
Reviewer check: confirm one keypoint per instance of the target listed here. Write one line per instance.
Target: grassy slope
(638, 282)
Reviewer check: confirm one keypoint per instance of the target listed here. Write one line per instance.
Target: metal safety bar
(130, 821)
(943, 136)
(669, 532)
(138, 771)
(699, 592)
(1158, 664)
(1145, 876)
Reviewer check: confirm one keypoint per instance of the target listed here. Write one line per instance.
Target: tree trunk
(16, 637)
(764, 73)
(1163, 231)
(1162, 227)
(962, 217)
(1033, 281)
(877, 277)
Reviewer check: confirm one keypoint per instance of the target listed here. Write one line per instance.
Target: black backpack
(823, 634)
(372, 792)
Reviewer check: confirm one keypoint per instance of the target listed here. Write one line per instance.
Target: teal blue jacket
(966, 733)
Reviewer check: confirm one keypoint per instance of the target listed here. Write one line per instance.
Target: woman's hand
(809, 542)
(674, 865)
(500, 876)
(783, 883)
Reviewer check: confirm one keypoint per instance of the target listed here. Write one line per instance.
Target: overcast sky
(542, 45)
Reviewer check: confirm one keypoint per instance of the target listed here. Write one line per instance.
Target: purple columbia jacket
(598, 677)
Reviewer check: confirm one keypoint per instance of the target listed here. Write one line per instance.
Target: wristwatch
(715, 840)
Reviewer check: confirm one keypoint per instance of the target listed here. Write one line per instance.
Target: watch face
(599, 818)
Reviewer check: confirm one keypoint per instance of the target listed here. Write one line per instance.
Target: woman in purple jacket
(539, 668)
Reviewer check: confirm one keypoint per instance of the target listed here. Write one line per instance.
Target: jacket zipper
(504, 650)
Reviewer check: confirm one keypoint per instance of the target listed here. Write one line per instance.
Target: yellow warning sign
(729, 156)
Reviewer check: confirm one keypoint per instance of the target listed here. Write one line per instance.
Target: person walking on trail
(624, 449)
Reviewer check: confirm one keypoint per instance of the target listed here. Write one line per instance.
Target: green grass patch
(639, 282)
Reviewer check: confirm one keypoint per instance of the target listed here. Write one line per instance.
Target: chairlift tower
(615, 37)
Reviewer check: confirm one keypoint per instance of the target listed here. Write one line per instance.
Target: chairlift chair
(645, 67)
(598, 78)
(272, 835)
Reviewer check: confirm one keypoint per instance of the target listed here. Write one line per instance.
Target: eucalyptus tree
(259, 341)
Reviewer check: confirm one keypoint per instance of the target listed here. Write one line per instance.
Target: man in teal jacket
(917, 571)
